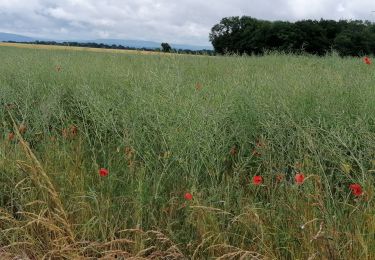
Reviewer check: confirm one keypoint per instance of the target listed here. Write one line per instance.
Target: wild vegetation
(106, 155)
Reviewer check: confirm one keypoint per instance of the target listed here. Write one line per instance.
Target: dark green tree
(252, 36)
(166, 47)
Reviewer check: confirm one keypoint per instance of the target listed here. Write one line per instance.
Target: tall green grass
(143, 118)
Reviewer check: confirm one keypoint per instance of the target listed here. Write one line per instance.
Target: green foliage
(251, 36)
(166, 124)
(166, 47)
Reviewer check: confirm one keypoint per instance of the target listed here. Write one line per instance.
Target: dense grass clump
(164, 126)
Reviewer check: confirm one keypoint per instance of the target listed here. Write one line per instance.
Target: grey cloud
(159, 20)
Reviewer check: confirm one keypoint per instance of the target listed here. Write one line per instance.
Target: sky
(173, 21)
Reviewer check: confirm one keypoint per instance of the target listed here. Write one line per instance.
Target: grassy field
(164, 126)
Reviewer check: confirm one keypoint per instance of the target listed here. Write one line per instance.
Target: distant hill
(15, 37)
(148, 44)
(127, 43)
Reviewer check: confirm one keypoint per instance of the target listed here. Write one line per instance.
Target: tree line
(247, 35)
(165, 47)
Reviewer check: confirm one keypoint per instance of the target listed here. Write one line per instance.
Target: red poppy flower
(356, 189)
(367, 60)
(11, 136)
(300, 178)
(188, 196)
(257, 180)
(103, 172)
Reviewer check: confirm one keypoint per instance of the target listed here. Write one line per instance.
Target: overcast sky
(174, 21)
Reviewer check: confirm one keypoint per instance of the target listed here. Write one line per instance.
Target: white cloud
(183, 21)
(302, 8)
